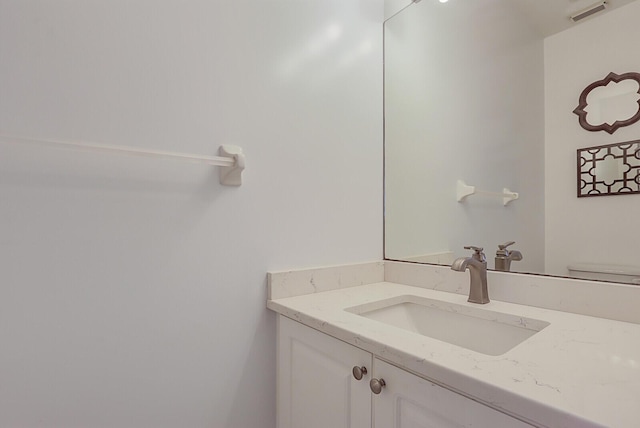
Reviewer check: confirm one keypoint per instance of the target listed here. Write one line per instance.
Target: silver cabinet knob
(358, 372)
(376, 385)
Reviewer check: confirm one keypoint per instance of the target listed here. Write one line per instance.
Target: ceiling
(553, 16)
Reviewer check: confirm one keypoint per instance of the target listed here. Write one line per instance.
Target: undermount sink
(474, 328)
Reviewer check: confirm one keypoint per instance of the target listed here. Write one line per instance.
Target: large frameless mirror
(479, 99)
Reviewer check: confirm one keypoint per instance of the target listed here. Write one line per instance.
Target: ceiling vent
(591, 10)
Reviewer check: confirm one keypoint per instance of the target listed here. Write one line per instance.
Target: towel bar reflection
(463, 190)
(231, 158)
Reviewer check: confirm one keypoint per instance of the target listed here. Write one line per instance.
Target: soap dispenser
(504, 256)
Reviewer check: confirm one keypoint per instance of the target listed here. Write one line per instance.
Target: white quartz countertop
(579, 371)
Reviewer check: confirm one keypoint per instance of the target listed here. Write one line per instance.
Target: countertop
(579, 371)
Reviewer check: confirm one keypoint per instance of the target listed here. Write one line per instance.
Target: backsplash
(599, 299)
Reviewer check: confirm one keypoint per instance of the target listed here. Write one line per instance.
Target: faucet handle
(478, 254)
(506, 244)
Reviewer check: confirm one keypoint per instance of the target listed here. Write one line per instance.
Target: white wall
(464, 100)
(132, 291)
(391, 7)
(600, 229)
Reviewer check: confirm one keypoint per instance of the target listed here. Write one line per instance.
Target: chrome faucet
(504, 256)
(477, 265)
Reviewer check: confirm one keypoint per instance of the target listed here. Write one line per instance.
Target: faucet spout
(504, 257)
(515, 255)
(477, 265)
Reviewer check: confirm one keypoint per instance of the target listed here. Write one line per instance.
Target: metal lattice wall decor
(613, 169)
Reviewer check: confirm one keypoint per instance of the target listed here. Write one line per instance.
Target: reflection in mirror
(612, 103)
(474, 92)
(610, 169)
(464, 96)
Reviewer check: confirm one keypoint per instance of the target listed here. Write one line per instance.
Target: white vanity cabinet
(409, 401)
(317, 389)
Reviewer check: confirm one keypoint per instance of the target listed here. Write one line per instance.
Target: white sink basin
(474, 328)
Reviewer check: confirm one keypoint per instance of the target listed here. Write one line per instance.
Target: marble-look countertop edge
(534, 412)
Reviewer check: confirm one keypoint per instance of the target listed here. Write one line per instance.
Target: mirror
(479, 93)
(610, 103)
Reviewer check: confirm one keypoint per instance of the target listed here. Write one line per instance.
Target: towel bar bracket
(232, 175)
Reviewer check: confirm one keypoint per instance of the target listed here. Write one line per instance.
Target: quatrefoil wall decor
(610, 103)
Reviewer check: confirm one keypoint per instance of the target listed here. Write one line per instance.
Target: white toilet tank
(606, 272)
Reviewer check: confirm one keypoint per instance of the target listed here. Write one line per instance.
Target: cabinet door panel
(315, 386)
(408, 401)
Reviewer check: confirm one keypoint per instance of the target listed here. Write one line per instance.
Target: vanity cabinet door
(316, 387)
(408, 401)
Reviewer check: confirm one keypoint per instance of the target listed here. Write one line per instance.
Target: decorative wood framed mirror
(610, 103)
(612, 169)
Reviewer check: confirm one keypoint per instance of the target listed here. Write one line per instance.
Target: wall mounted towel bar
(463, 190)
(231, 159)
